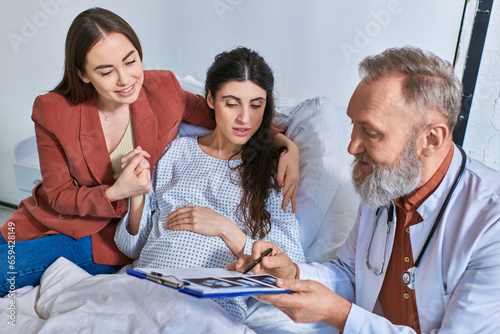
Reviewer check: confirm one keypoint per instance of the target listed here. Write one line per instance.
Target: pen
(254, 263)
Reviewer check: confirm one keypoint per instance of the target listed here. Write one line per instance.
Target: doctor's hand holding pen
(276, 263)
(311, 300)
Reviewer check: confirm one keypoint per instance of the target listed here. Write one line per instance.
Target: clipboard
(210, 282)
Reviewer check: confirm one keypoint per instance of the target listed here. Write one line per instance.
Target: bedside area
(5, 213)
(26, 167)
(27, 174)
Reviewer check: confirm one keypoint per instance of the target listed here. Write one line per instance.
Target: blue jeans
(22, 263)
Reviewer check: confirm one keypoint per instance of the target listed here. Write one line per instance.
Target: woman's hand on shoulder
(289, 173)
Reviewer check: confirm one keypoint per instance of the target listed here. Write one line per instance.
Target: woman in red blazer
(105, 103)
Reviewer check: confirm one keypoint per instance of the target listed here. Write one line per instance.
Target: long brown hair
(86, 30)
(259, 155)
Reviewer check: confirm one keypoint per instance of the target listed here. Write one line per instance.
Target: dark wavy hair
(86, 30)
(259, 155)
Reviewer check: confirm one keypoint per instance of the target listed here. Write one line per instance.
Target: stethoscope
(408, 277)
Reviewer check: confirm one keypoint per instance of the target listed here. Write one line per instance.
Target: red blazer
(76, 168)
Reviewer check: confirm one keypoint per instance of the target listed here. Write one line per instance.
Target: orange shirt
(398, 302)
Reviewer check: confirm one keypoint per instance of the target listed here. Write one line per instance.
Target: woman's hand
(126, 159)
(197, 219)
(288, 171)
(208, 222)
(134, 180)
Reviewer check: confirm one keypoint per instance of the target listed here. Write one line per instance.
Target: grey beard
(387, 183)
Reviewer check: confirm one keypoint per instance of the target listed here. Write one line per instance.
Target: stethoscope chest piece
(408, 278)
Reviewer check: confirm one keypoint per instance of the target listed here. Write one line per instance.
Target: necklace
(113, 114)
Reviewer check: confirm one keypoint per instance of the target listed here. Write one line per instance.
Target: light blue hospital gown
(185, 175)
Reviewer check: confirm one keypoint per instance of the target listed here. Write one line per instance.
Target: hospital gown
(185, 175)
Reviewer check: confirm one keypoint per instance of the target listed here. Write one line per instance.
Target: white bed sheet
(69, 300)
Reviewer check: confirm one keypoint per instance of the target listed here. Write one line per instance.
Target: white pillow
(194, 86)
(326, 201)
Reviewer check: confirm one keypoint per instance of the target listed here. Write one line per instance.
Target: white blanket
(69, 300)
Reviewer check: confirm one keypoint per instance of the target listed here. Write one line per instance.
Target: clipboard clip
(169, 280)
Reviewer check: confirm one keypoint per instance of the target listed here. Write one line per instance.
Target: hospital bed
(69, 300)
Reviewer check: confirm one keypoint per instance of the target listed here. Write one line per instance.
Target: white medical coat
(457, 283)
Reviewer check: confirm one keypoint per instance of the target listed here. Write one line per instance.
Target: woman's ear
(210, 100)
(436, 135)
(82, 76)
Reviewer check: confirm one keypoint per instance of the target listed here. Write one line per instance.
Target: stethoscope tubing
(390, 215)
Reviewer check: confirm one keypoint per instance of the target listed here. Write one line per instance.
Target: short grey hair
(430, 82)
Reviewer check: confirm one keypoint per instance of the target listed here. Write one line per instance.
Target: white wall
(313, 46)
(482, 137)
